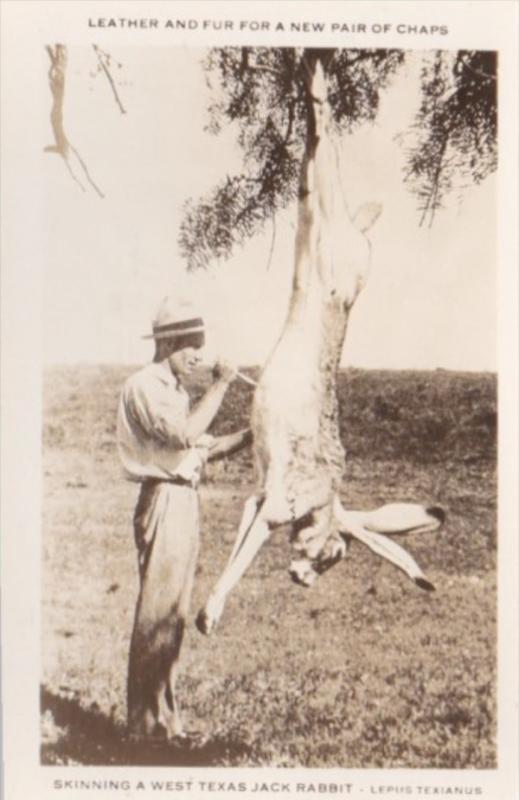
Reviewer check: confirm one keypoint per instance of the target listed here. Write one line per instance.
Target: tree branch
(62, 146)
(255, 68)
(291, 116)
(431, 203)
(272, 243)
(101, 57)
(479, 72)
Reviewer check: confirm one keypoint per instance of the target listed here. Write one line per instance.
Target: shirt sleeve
(159, 411)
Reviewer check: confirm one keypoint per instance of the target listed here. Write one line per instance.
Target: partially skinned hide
(299, 456)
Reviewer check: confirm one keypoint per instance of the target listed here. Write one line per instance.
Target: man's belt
(177, 480)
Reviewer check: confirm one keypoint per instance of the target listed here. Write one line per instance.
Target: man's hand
(223, 371)
(230, 443)
(206, 440)
(205, 411)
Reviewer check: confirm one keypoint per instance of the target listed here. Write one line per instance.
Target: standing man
(164, 445)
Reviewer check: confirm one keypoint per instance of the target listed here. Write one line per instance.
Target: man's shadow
(73, 735)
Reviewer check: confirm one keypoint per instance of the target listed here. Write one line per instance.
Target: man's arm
(205, 411)
(229, 444)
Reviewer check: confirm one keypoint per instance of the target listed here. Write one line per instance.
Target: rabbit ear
(366, 216)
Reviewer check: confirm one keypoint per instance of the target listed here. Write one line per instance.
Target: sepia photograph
(268, 341)
(354, 467)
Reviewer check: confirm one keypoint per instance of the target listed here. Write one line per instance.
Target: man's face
(188, 355)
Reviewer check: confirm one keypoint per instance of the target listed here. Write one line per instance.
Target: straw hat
(176, 317)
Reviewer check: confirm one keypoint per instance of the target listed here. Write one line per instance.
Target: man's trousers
(166, 526)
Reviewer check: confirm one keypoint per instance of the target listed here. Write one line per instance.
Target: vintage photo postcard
(259, 399)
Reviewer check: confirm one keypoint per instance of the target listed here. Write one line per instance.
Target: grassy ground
(361, 670)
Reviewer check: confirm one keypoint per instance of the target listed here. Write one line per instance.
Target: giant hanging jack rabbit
(298, 453)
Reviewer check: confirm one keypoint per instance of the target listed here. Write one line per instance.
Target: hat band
(172, 329)
(180, 327)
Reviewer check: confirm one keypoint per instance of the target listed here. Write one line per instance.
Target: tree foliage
(264, 94)
(455, 130)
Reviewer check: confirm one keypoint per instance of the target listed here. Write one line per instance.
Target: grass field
(362, 670)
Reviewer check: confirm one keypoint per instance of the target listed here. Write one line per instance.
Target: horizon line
(345, 368)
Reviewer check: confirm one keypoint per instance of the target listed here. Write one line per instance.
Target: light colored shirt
(151, 428)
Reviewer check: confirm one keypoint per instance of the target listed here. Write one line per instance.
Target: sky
(430, 301)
